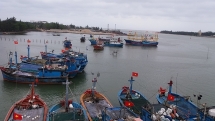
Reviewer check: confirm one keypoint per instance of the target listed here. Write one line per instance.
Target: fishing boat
(113, 43)
(93, 41)
(98, 47)
(27, 72)
(103, 39)
(137, 102)
(94, 102)
(51, 62)
(67, 43)
(132, 99)
(149, 43)
(56, 34)
(186, 109)
(80, 59)
(82, 39)
(119, 114)
(147, 40)
(31, 107)
(67, 110)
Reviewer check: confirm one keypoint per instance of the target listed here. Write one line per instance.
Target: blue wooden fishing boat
(149, 43)
(67, 110)
(67, 43)
(113, 43)
(31, 107)
(186, 109)
(82, 39)
(93, 41)
(137, 102)
(132, 98)
(78, 58)
(27, 72)
(94, 102)
(119, 114)
(53, 63)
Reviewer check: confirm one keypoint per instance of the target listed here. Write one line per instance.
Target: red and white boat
(98, 47)
(29, 108)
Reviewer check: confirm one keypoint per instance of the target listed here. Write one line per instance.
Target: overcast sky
(153, 15)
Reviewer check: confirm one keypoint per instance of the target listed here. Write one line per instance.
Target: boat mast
(28, 51)
(131, 82)
(94, 86)
(46, 48)
(32, 91)
(66, 98)
(16, 57)
(170, 86)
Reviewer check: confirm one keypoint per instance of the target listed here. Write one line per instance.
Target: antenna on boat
(66, 98)
(131, 83)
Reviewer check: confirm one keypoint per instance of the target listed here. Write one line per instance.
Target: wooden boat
(98, 47)
(93, 41)
(79, 59)
(82, 39)
(67, 43)
(94, 102)
(137, 102)
(186, 109)
(30, 107)
(113, 43)
(132, 98)
(67, 110)
(119, 114)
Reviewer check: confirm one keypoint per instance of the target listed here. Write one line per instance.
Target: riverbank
(86, 31)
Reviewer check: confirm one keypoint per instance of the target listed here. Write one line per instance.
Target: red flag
(170, 97)
(135, 74)
(62, 51)
(28, 41)
(162, 91)
(17, 116)
(128, 103)
(15, 41)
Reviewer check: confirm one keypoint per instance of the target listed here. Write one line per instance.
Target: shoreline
(78, 31)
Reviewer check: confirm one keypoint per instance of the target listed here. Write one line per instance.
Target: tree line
(209, 33)
(12, 25)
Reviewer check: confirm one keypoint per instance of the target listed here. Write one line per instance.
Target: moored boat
(82, 39)
(186, 109)
(132, 98)
(137, 102)
(31, 107)
(67, 110)
(67, 43)
(98, 47)
(113, 43)
(94, 102)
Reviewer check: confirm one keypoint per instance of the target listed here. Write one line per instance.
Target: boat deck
(184, 108)
(119, 113)
(95, 108)
(29, 114)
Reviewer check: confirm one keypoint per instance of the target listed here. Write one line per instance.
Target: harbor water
(189, 61)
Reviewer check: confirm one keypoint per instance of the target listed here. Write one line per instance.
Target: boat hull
(135, 97)
(29, 79)
(93, 42)
(30, 106)
(98, 47)
(141, 43)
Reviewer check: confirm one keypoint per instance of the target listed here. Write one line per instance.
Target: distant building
(200, 33)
